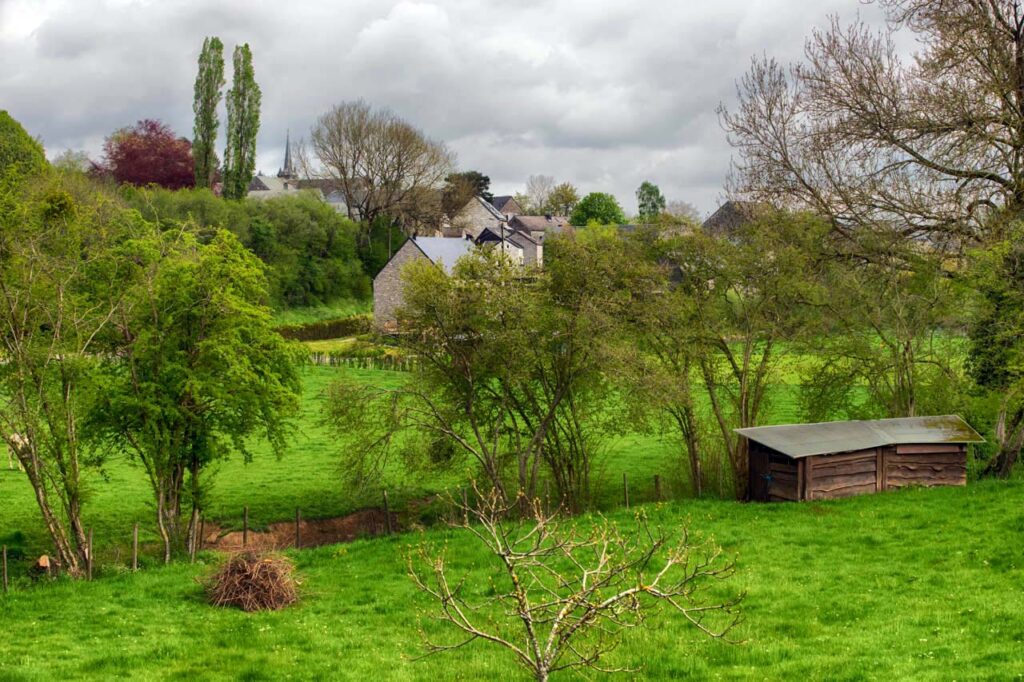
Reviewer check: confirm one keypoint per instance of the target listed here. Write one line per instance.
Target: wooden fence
(384, 362)
(654, 490)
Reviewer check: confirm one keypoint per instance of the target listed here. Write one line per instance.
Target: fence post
(89, 558)
(135, 547)
(657, 488)
(625, 490)
(298, 532)
(5, 569)
(245, 526)
(387, 513)
(194, 539)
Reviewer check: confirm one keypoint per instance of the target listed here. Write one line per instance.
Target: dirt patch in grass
(312, 533)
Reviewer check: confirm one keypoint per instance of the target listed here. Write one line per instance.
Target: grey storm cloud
(603, 94)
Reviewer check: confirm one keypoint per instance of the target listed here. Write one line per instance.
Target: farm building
(838, 459)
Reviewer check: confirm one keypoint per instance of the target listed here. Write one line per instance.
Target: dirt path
(360, 524)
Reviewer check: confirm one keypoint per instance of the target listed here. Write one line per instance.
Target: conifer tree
(243, 104)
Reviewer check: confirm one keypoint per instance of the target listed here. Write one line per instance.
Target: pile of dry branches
(254, 582)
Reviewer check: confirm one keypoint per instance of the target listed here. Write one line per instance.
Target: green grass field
(916, 584)
(308, 475)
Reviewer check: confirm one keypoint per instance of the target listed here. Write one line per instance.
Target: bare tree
(683, 209)
(926, 146)
(538, 189)
(383, 165)
(567, 592)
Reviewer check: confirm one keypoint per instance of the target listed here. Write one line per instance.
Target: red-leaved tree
(149, 153)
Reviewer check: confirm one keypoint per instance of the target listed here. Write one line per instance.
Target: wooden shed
(837, 459)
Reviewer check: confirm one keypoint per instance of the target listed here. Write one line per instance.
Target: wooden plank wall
(830, 476)
(784, 481)
(776, 477)
(927, 465)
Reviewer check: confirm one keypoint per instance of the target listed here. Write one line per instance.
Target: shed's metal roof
(443, 251)
(803, 440)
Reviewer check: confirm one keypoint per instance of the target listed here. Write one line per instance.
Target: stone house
(476, 216)
(479, 223)
(387, 285)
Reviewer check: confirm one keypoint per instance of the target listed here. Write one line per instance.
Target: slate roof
(730, 216)
(490, 209)
(502, 203)
(804, 440)
(541, 223)
(443, 251)
(268, 187)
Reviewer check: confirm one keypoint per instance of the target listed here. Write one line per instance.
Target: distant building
(387, 285)
(731, 217)
(539, 226)
(286, 183)
(476, 216)
(506, 205)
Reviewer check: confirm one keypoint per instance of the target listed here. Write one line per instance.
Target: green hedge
(328, 329)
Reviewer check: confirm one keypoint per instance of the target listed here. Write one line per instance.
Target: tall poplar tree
(243, 103)
(209, 83)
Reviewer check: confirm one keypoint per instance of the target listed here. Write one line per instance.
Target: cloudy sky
(602, 93)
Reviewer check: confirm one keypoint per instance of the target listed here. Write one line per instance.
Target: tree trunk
(66, 556)
(1010, 434)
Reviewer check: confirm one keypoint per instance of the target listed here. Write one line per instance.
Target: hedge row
(328, 329)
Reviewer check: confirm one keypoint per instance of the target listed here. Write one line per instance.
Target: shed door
(758, 475)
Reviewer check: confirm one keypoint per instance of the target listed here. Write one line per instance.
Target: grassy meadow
(307, 475)
(915, 584)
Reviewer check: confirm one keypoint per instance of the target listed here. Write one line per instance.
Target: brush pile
(254, 582)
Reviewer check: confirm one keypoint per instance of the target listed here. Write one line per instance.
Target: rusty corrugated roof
(804, 440)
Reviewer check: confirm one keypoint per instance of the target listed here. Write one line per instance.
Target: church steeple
(288, 171)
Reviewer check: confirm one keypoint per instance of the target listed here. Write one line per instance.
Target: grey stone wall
(387, 286)
(473, 219)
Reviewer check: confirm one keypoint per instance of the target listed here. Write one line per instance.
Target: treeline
(526, 376)
(309, 249)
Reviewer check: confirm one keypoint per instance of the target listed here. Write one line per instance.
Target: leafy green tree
(996, 349)
(243, 103)
(666, 320)
(562, 200)
(751, 298)
(474, 181)
(209, 82)
(61, 283)
(883, 348)
(650, 200)
(308, 247)
(201, 370)
(597, 207)
(514, 376)
(18, 150)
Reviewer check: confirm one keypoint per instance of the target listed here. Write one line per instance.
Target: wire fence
(300, 533)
